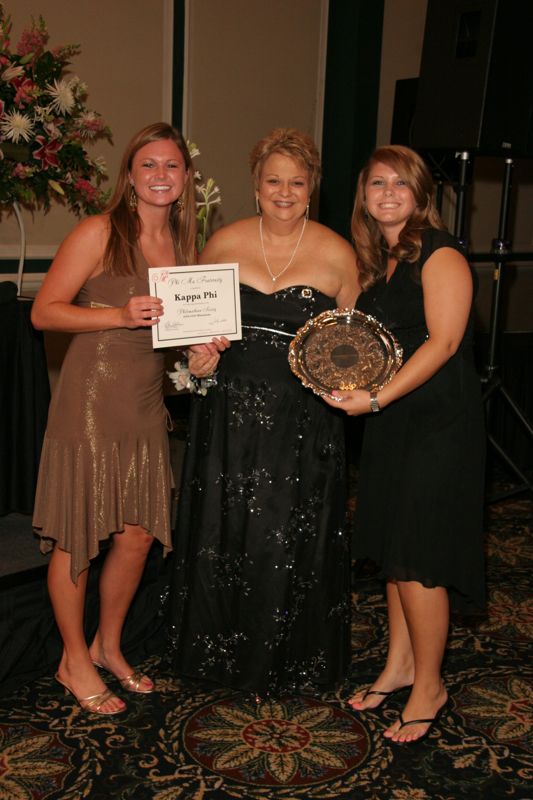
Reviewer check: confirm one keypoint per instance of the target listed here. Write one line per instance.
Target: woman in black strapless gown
(260, 596)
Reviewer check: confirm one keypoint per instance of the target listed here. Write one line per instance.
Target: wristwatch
(374, 405)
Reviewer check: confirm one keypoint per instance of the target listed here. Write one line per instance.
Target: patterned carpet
(190, 743)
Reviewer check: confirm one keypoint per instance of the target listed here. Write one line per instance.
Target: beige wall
(125, 53)
(403, 35)
(250, 66)
(125, 60)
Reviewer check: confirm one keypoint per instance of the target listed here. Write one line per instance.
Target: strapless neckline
(291, 289)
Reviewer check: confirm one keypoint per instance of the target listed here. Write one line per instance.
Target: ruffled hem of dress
(463, 600)
(86, 493)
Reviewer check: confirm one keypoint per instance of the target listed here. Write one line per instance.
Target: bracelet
(183, 379)
(374, 405)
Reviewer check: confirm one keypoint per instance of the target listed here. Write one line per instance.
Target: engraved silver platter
(344, 350)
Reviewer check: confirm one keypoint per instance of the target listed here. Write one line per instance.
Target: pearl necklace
(286, 267)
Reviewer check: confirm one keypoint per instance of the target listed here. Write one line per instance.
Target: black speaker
(442, 163)
(405, 94)
(475, 89)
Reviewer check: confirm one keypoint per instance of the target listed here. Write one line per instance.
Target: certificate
(200, 302)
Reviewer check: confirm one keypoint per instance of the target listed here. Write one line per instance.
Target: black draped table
(24, 399)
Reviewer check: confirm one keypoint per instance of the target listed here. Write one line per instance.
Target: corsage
(182, 379)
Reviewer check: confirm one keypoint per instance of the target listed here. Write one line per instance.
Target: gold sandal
(94, 702)
(132, 682)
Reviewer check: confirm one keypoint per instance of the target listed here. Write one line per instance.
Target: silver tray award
(342, 349)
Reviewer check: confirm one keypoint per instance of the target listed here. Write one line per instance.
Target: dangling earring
(307, 213)
(179, 205)
(132, 199)
(257, 207)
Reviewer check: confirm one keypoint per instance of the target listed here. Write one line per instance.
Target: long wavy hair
(125, 225)
(370, 246)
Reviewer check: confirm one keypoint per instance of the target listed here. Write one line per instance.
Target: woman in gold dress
(105, 472)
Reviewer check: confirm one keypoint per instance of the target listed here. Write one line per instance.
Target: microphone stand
(460, 191)
(492, 379)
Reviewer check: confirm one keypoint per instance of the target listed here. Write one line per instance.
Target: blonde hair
(125, 228)
(289, 142)
(368, 240)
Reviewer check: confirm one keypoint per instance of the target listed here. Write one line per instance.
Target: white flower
(63, 97)
(89, 124)
(193, 150)
(181, 377)
(40, 113)
(16, 126)
(52, 130)
(207, 196)
(100, 165)
(79, 88)
(209, 193)
(12, 72)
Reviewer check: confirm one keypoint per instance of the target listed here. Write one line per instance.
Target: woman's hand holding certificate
(200, 302)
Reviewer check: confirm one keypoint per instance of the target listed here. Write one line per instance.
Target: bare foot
(419, 707)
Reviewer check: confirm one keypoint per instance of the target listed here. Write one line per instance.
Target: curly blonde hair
(125, 228)
(289, 142)
(370, 246)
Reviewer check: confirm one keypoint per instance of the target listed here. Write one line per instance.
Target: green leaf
(16, 152)
(46, 69)
(55, 186)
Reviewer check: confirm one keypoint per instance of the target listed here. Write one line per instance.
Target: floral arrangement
(208, 195)
(45, 126)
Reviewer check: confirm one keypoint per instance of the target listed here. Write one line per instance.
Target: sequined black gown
(259, 599)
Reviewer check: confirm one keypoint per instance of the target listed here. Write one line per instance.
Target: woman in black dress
(420, 494)
(260, 594)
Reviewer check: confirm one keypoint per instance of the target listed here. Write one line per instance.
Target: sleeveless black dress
(419, 512)
(260, 594)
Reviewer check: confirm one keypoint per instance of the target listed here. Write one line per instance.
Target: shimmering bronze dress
(105, 459)
(260, 591)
